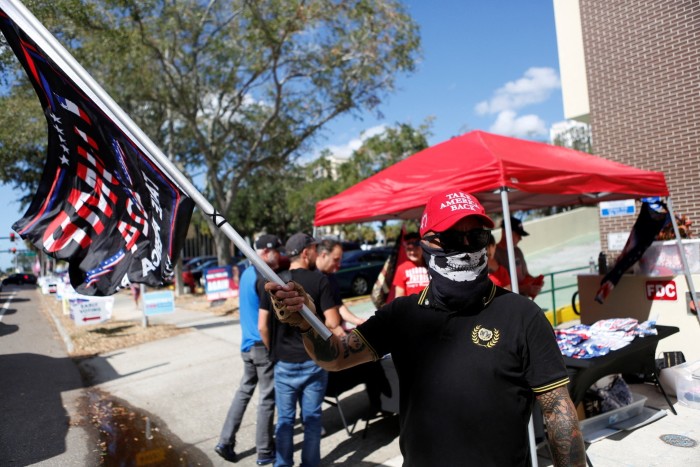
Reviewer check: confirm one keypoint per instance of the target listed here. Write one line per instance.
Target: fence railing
(552, 291)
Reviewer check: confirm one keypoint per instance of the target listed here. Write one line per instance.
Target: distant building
(328, 167)
(630, 69)
(563, 131)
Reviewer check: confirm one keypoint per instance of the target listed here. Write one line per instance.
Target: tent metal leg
(681, 252)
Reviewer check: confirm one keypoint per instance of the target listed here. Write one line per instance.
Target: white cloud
(344, 151)
(535, 86)
(508, 123)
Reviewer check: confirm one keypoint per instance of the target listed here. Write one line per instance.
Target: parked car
(359, 270)
(192, 263)
(191, 277)
(20, 278)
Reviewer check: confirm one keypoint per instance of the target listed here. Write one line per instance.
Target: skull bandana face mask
(457, 279)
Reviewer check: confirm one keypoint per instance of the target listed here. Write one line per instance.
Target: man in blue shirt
(257, 367)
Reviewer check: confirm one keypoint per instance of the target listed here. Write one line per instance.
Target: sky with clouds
(486, 65)
(490, 66)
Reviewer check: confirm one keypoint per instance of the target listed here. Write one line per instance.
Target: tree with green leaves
(383, 150)
(232, 91)
(325, 177)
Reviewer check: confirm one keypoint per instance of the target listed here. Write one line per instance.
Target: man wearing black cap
(298, 379)
(471, 357)
(257, 366)
(527, 285)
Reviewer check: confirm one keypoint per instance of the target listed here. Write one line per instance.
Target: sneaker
(226, 451)
(265, 461)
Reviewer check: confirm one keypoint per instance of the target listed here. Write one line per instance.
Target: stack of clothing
(598, 339)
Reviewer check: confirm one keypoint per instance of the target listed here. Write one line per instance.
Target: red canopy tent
(503, 173)
(534, 174)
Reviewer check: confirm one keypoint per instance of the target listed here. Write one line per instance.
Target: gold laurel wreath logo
(495, 336)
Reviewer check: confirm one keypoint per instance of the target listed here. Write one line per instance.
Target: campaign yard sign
(158, 303)
(219, 283)
(85, 310)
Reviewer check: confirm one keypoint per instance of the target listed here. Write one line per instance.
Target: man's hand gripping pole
(270, 275)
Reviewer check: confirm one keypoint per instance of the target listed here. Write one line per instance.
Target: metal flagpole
(65, 61)
(505, 206)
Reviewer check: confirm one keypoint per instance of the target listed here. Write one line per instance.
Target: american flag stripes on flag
(102, 204)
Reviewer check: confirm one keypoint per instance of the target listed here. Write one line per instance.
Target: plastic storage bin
(608, 419)
(672, 376)
(688, 389)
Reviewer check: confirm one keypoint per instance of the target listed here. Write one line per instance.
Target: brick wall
(643, 65)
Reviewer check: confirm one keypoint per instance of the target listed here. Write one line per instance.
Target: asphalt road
(40, 389)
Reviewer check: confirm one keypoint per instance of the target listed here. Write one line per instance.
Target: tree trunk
(223, 246)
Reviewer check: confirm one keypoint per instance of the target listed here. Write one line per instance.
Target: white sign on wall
(617, 240)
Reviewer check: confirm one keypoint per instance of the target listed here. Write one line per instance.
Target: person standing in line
(471, 358)
(330, 255)
(528, 285)
(298, 380)
(411, 276)
(258, 369)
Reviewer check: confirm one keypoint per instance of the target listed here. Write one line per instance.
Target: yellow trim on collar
(423, 295)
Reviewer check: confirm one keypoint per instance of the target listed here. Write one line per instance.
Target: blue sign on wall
(617, 208)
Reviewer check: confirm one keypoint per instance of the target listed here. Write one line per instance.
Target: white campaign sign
(86, 310)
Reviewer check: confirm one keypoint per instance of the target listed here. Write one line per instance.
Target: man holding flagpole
(471, 358)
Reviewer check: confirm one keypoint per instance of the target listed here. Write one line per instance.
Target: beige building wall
(572, 63)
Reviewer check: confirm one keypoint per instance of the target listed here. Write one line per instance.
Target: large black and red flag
(103, 204)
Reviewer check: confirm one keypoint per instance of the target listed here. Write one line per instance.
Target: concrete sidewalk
(188, 382)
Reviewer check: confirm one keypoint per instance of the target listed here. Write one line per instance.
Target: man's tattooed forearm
(563, 431)
(325, 351)
(328, 351)
(352, 344)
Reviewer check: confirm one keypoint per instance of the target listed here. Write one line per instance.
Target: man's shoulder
(247, 272)
(513, 302)
(308, 278)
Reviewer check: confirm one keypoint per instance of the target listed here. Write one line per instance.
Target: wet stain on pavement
(129, 437)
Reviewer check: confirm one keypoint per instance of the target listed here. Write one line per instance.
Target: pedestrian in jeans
(298, 380)
(258, 369)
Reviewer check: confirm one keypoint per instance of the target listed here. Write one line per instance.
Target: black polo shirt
(467, 379)
(286, 343)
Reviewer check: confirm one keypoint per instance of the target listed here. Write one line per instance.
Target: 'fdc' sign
(661, 290)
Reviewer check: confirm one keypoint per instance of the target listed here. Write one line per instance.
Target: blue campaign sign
(157, 303)
(617, 208)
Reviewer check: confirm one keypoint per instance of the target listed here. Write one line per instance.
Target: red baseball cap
(445, 209)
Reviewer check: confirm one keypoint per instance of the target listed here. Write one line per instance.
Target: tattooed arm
(338, 352)
(563, 431)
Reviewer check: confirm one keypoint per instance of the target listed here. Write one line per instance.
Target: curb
(59, 326)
